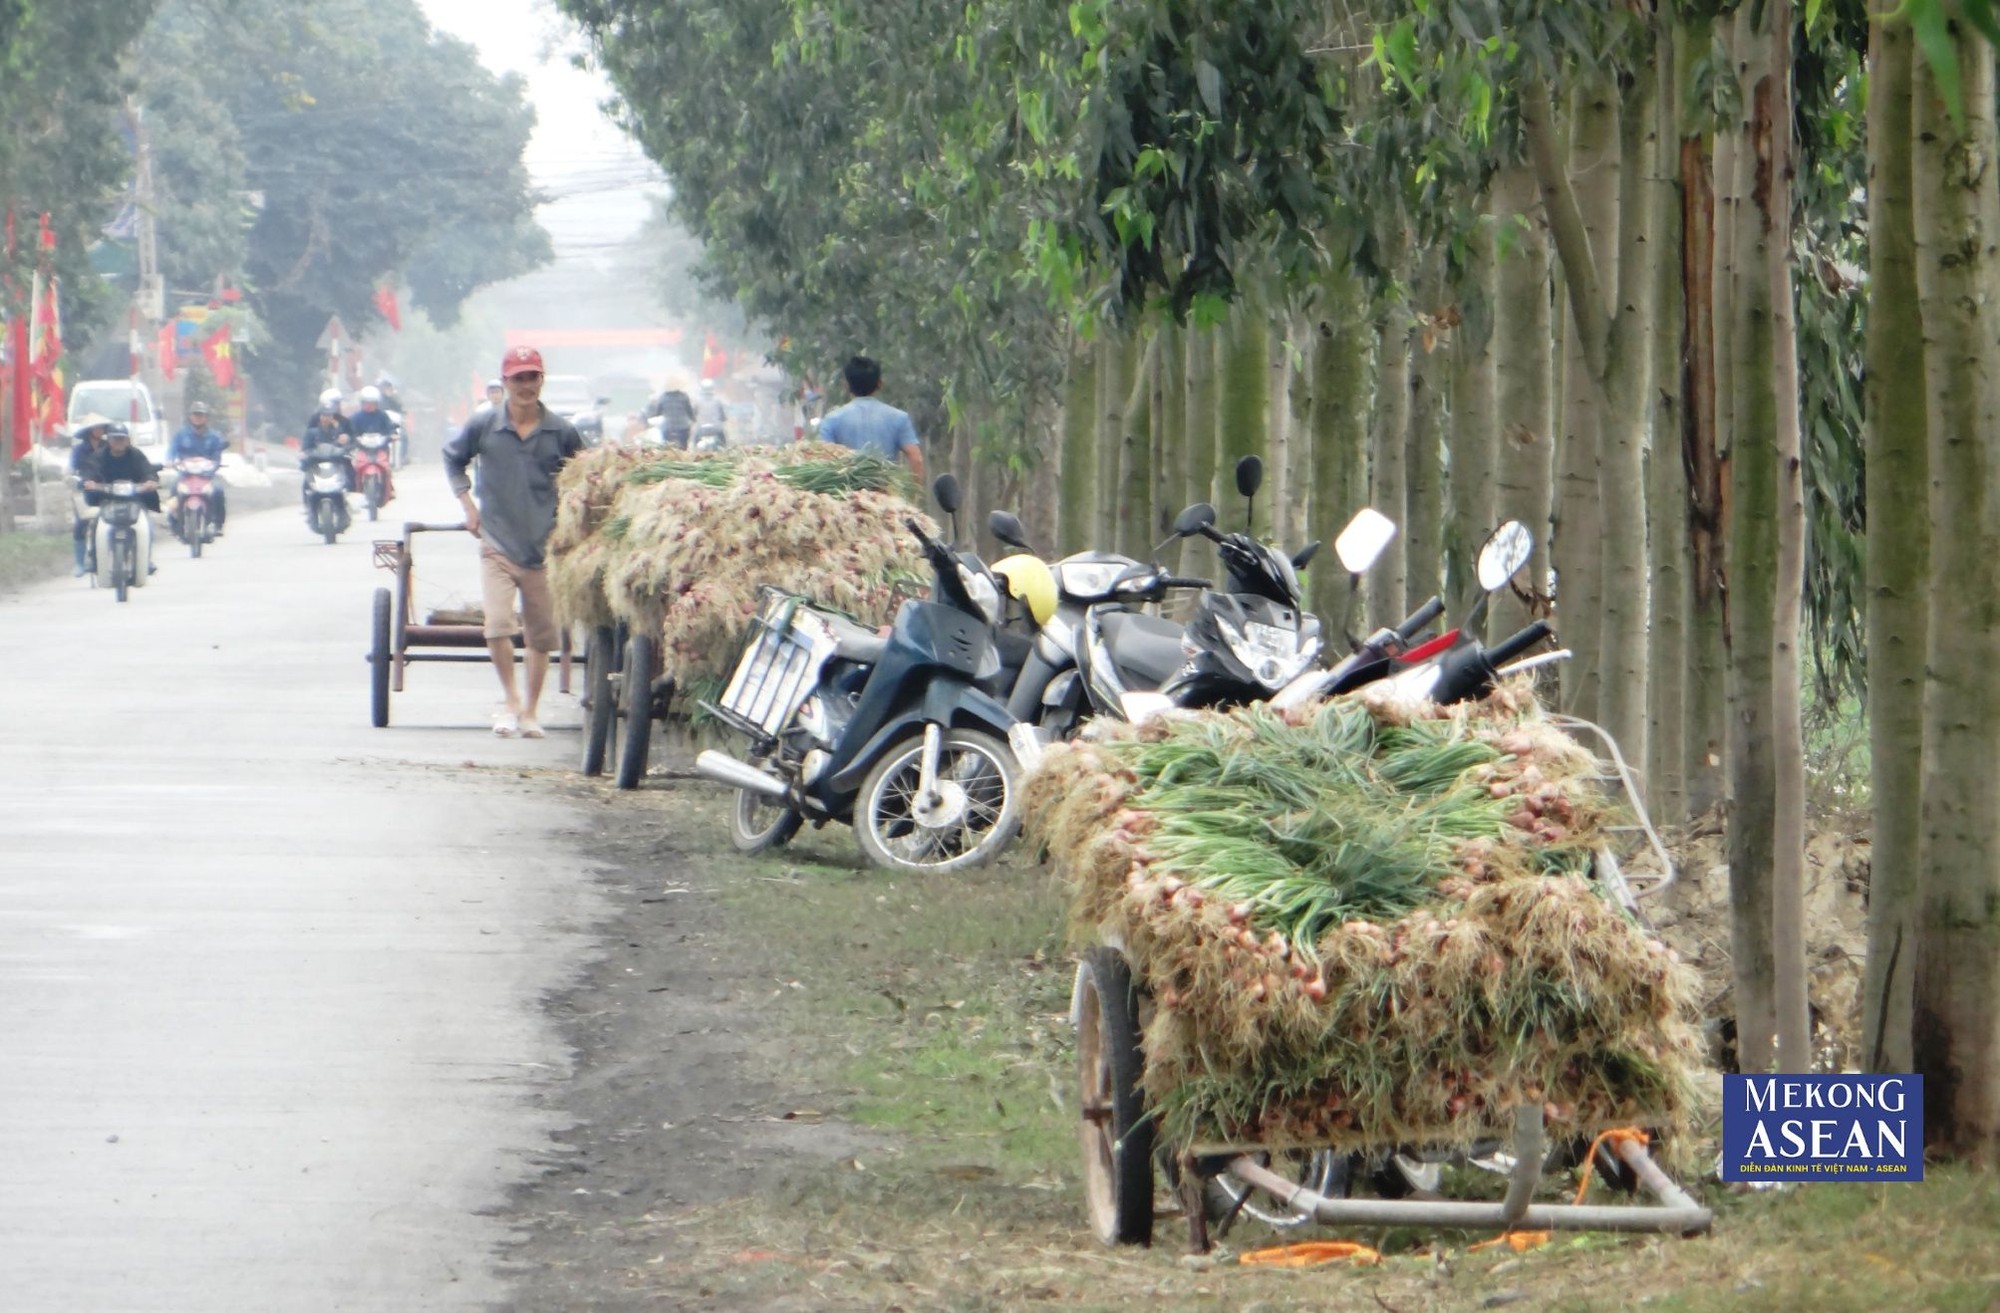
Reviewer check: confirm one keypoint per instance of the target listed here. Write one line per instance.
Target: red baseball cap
(521, 360)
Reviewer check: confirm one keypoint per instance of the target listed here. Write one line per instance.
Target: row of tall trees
(1598, 267)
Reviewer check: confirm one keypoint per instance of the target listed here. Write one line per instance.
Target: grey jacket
(517, 479)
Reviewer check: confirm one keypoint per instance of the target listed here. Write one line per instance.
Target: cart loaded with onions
(1345, 959)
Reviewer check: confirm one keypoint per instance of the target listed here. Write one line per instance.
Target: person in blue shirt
(865, 424)
(197, 439)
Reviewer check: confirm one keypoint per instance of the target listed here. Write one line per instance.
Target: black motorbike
(117, 537)
(328, 474)
(901, 735)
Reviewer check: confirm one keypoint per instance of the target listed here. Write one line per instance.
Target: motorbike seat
(1144, 647)
(856, 642)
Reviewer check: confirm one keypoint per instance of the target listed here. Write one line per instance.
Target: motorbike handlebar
(1508, 648)
(1176, 581)
(1422, 616)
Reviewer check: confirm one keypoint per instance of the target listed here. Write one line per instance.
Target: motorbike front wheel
(194, 526)
(121, 566)
(371, 488)
(324, 521)
(974, 816)
(758, 823)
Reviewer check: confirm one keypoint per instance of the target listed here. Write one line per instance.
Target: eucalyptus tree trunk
(1474, 430)
(1703, 662)
(1199, 374)
(1955, 1024)
(1388, 443)
(1666, 477)
(1423, 461)
(1621, 479)
(1898, 474)
(1077, 512)
(1117, 360)
(1241, 404)
(1341, 343)
(1523, 363)
(1292, 425)
(1170, 476)
(1278, 427)
(1772, 119)
(1132, 494)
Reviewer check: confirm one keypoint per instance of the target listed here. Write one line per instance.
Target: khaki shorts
(500, 579)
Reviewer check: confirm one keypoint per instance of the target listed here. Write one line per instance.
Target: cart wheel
(638, 711)
(600, 698)
(1117, 1134)
(380, 657)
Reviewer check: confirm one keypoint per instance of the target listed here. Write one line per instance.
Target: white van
(123, 399)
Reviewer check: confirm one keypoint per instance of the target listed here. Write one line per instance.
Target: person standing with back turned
(865, 424)
(520, 447)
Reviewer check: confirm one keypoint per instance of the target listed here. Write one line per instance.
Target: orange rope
(1522, 1241)
(1311, 1253)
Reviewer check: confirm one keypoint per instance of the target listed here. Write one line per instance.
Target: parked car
(571, 396)
(130, 403)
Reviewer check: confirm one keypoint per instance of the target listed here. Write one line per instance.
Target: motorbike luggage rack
(760, 740)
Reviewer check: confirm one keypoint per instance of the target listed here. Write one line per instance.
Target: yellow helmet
(1030, 580)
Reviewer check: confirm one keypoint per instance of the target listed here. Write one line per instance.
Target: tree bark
(1341, 343)
(1898, 475)
(1077, 513)
(1666, 496)
(1170, 476)
(1199, 425)
(1388, 443)
(1117, 359)
(1955, 1023)
(1242, 414)
(1523, 361)
(1474, 431)
(1131, 498)
(1423, 463)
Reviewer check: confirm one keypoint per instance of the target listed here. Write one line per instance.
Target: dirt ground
(801, 1083)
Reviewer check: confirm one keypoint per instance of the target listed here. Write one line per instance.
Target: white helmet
(708, 385)
(330, 397)
(371, 394)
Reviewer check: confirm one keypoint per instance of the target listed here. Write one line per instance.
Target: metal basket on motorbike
(786, 646)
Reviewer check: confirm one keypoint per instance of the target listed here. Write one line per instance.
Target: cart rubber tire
(1117, 1134)
(381, 658)
(758, 824)
(897, 759)
(601, 708)
(121, 567)
(638, 711)
(193, 525)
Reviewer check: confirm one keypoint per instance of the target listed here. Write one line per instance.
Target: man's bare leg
(503, 665)
(538, 673)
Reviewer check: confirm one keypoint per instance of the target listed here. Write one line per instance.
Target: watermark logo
(1823, 1128)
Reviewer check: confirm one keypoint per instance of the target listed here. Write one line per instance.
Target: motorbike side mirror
(1504, 554)
(947, 492)
(1249, 475)
(1006, 526)
(1304, 556)
(1194, 519)
(1362, 542)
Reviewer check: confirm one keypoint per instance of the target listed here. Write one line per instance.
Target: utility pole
(150, 308)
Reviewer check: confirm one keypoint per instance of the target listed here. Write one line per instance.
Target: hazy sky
(600, 179)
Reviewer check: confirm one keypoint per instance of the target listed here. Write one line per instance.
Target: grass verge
(932, 1013)
(29, 557)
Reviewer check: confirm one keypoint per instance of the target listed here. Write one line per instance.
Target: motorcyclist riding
(120, 461)
(373, 417)
(676, 415)
(196, 439)
(88, 439)
(710, 418)
(327, 427)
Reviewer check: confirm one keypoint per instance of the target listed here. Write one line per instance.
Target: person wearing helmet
(676, 415)
(372, 417)
(711, 421)
(87, 439)
(496, 397)
(199, 440)
(326, 427)
(520, 447)
(391, 399)
(120, 461)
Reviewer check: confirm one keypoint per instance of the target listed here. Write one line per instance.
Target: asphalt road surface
(270, 1035)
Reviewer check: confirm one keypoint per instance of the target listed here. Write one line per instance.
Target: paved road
(269, 1030)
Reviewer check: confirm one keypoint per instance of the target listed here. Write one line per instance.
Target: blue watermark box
(1823, 1128)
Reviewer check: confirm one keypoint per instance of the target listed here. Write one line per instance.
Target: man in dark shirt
(120, 462)
(520, 447)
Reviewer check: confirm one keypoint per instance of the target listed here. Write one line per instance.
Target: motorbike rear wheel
(978, 816)
(324, 521)
(758, 823)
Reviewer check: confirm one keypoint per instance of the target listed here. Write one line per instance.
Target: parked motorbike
(123, 538)
(194, 490)
(901, 736)
(373, 460)
(326, 475)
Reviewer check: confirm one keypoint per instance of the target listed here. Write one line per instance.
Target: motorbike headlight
(1088, 580)
(1274, 655)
